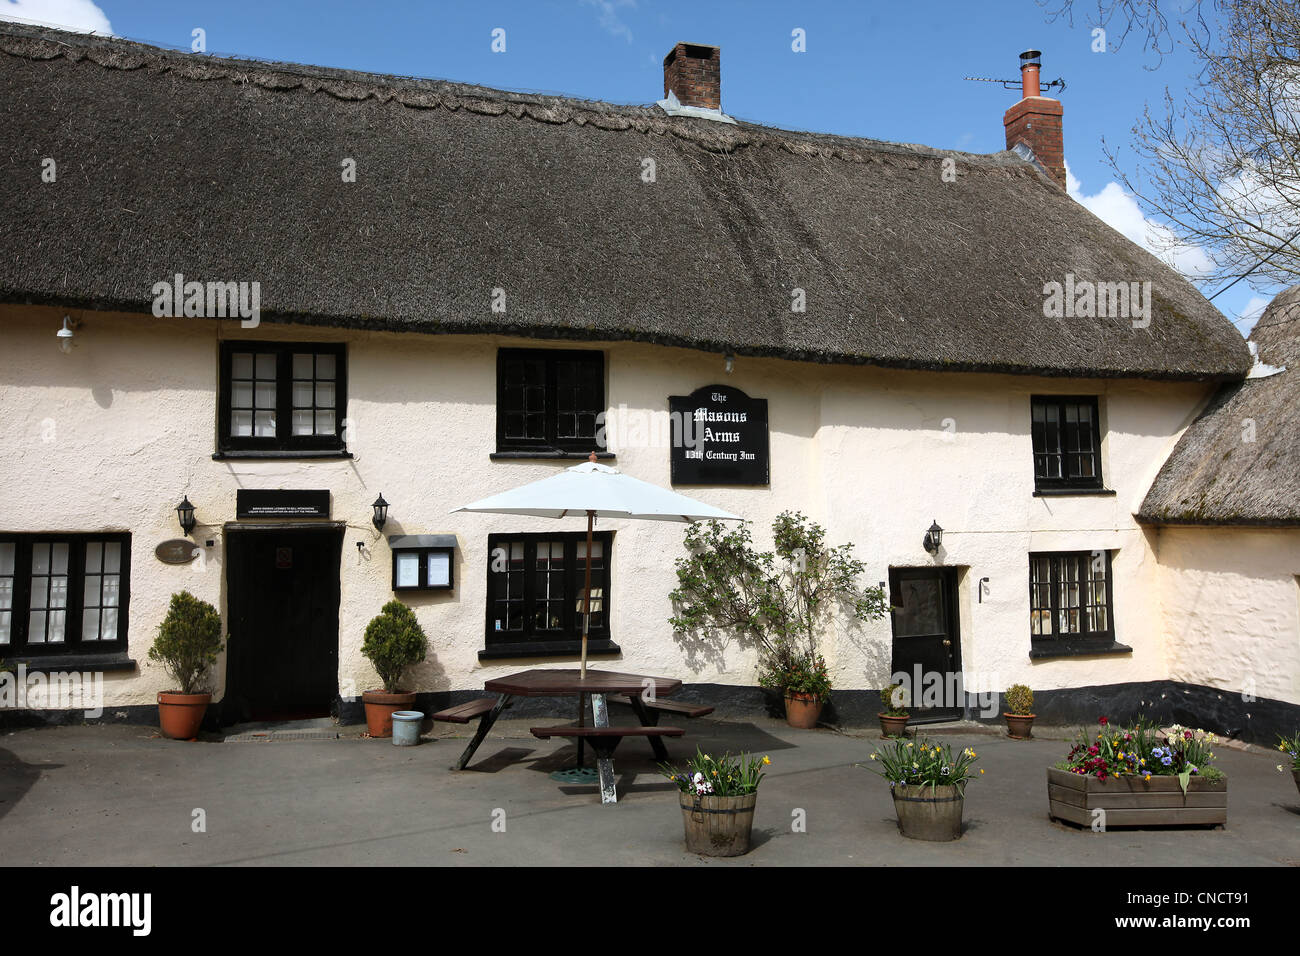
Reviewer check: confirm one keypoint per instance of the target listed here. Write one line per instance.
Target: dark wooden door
(927, 646)
(282, 661)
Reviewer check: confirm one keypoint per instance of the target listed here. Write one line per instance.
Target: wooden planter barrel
(928, 813)
(1134, 802)
(718, 826)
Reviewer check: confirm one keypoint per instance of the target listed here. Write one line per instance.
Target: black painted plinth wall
(1226, 714)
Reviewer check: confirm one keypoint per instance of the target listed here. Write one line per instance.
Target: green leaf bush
(779, 601)
(894, 701)
(188, 641)
(1020, 701)
(394, 641)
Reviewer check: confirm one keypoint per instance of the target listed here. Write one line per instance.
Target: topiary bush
(1020, 700)
(188, 641)
(394, 641)
(894, 699)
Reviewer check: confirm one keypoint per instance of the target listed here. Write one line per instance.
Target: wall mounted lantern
(729, 362)
(933, 538)
(381, 512)
(185, 512)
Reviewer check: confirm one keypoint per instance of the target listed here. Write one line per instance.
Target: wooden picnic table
(596, 685)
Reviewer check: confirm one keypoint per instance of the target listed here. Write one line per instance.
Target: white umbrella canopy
(599, 490)
(596, 490)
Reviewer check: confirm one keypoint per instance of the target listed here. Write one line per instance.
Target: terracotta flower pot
(802, 710)
(181, 715)
(893, 726)
(1020, 726)
(718, 826)
(380, 707)
(928, 813)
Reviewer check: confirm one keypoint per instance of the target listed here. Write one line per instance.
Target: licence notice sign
(275, 503)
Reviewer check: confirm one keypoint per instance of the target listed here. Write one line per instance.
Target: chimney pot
(693, 73)
(1030, 63)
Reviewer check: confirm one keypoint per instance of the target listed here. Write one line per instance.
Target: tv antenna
(1029, 60)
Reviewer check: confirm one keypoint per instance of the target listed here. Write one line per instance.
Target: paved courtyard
(116, 795)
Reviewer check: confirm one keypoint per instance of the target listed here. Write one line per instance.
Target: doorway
(927, 642)
(283, 609)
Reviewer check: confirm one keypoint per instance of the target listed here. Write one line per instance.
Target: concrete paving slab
(120, 795)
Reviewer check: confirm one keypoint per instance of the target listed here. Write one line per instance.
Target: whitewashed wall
(1230, 599)
(111, 436)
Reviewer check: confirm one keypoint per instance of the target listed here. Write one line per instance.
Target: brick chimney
(1036, 120)
(693, 73)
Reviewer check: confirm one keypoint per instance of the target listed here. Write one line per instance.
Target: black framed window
(535, 592)
(549, 400)
(63, 593)
(423, 569)
(285, 397)
(1067, 441)
(1070, 596)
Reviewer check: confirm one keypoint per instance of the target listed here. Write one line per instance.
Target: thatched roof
(229, 170)
(1239, 462)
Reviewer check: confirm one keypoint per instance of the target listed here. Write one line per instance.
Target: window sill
(595, 647)
(1045, 650)
(252, 454)
(73, 662)
(1070, 492)
(553, 454)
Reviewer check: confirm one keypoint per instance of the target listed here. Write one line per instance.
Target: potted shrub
(187, 644)
(777, 601)
(394, 641)
(928, 782)
(805, 686)
(717, 798)
(894, 717)
(1139, 776)
(1291, 747)
(1019, 714)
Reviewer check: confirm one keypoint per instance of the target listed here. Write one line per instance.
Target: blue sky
(878, 68)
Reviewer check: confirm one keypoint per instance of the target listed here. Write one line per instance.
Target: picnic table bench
(640, 693)
(486, 709)
(603, 741)
(656, 708)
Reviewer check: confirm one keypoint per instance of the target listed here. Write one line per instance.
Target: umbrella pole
(586, 596)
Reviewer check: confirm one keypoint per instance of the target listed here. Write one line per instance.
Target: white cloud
(81, 16)
(1120, 211)
(609, 18)
(1250, 313)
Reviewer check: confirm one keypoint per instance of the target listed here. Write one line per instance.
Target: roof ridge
(120, 53)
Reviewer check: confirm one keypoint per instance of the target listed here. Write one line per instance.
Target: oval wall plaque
(177, 551)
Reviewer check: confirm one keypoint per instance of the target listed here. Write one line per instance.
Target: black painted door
(927, 646)
(282, 661)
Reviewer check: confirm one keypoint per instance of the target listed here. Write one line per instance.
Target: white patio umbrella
(598, 491)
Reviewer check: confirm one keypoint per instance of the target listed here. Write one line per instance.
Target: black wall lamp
(933, 538)
(185, 513)
(381, 512)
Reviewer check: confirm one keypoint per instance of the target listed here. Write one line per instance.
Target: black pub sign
(275, 503)
(719, 437)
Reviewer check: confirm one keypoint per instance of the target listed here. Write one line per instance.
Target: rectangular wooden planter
(1134, 802)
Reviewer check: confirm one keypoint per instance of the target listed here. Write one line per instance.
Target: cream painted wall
(110, 437)
(1230, 599)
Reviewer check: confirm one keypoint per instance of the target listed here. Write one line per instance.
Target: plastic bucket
(406, 727)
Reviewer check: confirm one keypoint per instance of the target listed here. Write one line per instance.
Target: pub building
(267, 325)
